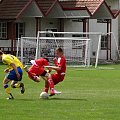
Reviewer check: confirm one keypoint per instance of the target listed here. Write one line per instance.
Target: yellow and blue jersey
(8, 59)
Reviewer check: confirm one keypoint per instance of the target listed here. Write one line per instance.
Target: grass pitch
(87, 94)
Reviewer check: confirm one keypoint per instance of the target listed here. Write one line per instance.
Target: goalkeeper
(14, 73)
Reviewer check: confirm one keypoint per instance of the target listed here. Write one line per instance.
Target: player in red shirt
(37, 69)
(60, 68)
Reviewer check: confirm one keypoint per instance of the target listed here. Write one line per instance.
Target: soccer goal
(76, 48)
(80, 48)
(26, 49)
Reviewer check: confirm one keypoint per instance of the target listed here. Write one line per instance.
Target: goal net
(80, 49)
(76, 48)
(26, 49)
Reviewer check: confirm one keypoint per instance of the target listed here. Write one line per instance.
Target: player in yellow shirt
(14, 73)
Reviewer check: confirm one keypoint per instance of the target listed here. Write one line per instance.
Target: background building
(25, 18)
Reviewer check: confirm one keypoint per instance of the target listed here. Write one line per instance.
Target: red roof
(45, 5)
(92, 5)
(12, 9)
(9, 9)
(116, 12)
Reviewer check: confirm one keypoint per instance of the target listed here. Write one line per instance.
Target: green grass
(86, 95)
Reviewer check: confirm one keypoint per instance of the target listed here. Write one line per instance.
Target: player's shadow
(54, 98)
(78, 99)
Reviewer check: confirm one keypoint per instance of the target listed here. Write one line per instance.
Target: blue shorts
(12, 75)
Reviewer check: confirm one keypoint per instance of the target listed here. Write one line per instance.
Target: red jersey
(61, 62)
(59, 76)
(41, 62)
(38, 68)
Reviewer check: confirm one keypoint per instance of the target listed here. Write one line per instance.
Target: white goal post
(78, 47)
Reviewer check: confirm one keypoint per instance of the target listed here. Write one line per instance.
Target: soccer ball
(44, 95)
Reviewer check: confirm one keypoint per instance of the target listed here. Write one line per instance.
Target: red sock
(46, 88)
(51, 83)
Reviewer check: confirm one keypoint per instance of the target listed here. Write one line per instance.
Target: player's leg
(16, 84)
(56, 79)
(46, 87)
(49, 82)
(7, 89)
(12, 76)
(19, 84)
(32, 75)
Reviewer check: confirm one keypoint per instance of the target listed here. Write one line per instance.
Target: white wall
(114, 39)
(102, 27)
(95, 27)
(71, 26)
(49, 23)
(30, 26)
(5, 43)
(113, 3)
(30, 31)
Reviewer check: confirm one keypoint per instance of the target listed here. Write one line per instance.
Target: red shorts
(57, 78)
(31, 75)
(36, 70)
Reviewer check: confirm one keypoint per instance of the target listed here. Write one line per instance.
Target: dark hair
(1, 52)
(60, 49)
(46, 59)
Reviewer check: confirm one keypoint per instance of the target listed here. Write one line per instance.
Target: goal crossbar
(65, 38)
(83, 33)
